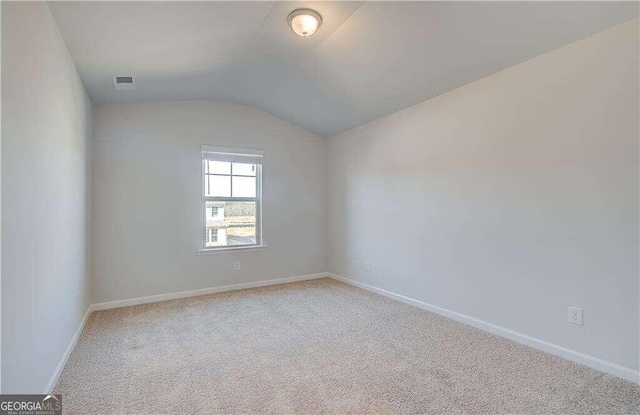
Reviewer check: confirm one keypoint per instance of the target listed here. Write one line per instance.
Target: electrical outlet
(575, 315)
(367, 265)
(236, 265)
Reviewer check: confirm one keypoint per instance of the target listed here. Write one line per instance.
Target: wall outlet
(367, 265)
(236, 265)
(575, 315)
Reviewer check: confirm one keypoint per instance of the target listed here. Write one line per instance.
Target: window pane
(217, 167)
(244, 186)
(217, 185)
(234, 224)
(243, 169)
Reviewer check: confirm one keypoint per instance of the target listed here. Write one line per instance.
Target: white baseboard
(163, 297)
(72, 344)
(203, 291)
(581, 358)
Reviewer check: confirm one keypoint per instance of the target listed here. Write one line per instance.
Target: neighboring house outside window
(215, 231)
(215, 212)
(232, 193)
(214, 235)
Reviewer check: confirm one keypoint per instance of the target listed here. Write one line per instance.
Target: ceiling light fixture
(304, 22)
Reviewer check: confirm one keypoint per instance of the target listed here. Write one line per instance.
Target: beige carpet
(317, 347)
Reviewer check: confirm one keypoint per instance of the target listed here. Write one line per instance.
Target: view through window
(232, 193)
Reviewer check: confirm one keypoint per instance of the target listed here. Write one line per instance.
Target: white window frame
(232, 156)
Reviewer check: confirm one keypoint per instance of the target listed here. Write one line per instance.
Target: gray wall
(46, 129)
(507, 199)
(147, 193)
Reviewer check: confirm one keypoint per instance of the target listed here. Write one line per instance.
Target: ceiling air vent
(124, 82)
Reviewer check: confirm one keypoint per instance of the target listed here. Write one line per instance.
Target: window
(232, 193)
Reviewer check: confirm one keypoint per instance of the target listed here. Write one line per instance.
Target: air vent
(124, 82)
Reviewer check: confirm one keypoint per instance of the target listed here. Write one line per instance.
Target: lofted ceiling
(367, 60)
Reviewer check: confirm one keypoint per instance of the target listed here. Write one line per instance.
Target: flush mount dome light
(304, 22)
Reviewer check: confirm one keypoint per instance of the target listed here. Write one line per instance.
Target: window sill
(231, 249)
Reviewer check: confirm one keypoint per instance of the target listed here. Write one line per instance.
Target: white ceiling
(367, 60)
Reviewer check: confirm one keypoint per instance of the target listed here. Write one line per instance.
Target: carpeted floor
(317, 347)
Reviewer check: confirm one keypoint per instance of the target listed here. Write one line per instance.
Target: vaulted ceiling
(367, 60)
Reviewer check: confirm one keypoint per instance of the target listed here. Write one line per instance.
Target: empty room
(337, 207)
